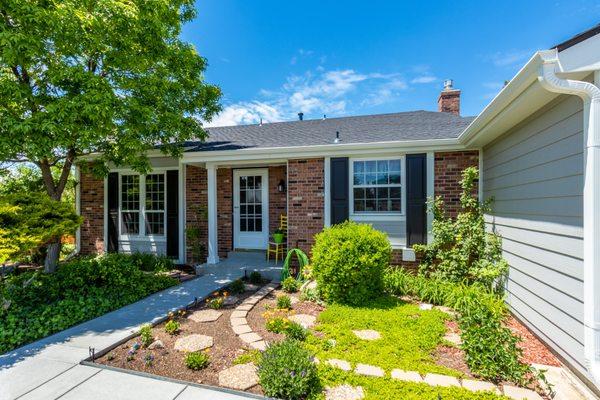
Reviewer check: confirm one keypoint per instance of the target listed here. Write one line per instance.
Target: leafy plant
(286, 370)
(146, 335)
(215, 302)
(295, 331)
(148, 359)
(197, 360)
(284, 302)
(252, 356)
(277, 324)
(255, 278)
(348, 262)
(290, 285)
(237, 287)
(310, 294)
(172, 327)
(462, 249)
(152, 262)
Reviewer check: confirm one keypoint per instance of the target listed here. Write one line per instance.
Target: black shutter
(173, 214)
(416, 198)
(340, 207)
(113, 212)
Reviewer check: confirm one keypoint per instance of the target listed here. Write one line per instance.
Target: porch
(245, 262)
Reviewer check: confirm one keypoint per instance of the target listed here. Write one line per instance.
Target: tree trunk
(52, 255)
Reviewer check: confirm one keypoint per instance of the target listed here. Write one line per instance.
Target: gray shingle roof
(413, 125)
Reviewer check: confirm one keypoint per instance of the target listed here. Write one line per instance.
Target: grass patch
(409, 335)
(387, 388)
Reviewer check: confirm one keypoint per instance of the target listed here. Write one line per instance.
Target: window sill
(138, 238)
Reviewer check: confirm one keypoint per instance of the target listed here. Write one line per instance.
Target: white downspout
(590, 94)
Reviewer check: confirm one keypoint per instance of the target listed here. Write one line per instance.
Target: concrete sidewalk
(49, 368)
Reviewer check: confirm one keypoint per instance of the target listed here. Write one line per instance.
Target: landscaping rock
(193, 342)
(305, 320)
(453, 338)
(239, 314)
(240, 377)
(446, 310)
(230, 300)
(476, 386)
(410, 376)
(369, 370)
(208, 315)
(341, 364)
(441, 380)
(245, 307)
(344, 392)
(260, 345)
(250, 287)
(239, 329)
(308, 285)
(250, 337)
(425, 306)
(367, 334)
(518, 393)
(238, 321)
(157, 344)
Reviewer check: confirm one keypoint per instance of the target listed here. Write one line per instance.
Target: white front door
(250, 208)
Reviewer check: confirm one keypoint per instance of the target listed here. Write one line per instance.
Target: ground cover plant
(409, 335)
(35, 305)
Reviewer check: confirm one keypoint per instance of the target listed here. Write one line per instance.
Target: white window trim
(378, 216)
(141, 235)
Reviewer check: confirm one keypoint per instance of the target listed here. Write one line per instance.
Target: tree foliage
(462, 249)
(30, 221)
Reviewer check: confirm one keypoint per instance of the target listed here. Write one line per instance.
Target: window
(143, 218)
(377, 186)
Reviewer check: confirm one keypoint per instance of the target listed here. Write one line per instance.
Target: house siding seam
(196, 198)
(448, 167)
(225, 210)
(277, 200)
(92, 210)
(306, 193)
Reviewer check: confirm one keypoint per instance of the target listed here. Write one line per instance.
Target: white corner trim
(590, 94)
(213, 243)
(182, 202)
(480, 182)
(327, 194)
(430, 174)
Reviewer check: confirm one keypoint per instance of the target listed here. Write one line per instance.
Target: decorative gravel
(344, 392)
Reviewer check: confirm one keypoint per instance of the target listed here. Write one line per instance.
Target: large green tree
(110, 77)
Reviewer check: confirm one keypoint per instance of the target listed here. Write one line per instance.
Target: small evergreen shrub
(284, 302)
(286, 371)
(348, 262)
(172, 327)
(196, 360)
(237, 287)
(295, 331)
(255, 278)
(290, 285)
(152, 262)
(146, 335)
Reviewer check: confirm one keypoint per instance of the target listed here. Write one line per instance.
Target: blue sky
(273, 59)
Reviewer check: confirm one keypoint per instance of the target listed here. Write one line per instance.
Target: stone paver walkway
(49, 368)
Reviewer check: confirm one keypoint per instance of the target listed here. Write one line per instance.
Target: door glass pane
(251, 204)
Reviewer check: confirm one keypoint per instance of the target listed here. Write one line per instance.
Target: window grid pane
(155, 192)
(130, 192)
(155, 223)
(377, 186)
(250, 203)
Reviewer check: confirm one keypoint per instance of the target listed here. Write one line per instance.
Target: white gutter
(590, 94)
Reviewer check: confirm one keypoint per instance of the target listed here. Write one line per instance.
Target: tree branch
(64, 175)
(47, 178)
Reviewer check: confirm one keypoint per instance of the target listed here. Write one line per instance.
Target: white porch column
(213, 244)
(430, 192)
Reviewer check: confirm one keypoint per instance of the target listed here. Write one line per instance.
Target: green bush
(84, 288)
(146, 335)
(295, 331)
(286, 371)
(277, 324)
(462, 250)
(284, 302)
(196, 360)
(348, 262)
(172, 327)
(255, 278)
(151, 262)
(490, 347)
(237, 287)
(290, 285)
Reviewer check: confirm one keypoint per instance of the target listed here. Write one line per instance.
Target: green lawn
(409, 335)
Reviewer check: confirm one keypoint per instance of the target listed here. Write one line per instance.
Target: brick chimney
(449, 100)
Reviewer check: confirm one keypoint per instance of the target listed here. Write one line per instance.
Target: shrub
(237, 287)
(152, 262)
(462, 249)
(310, 294)
(295, 331)
(277, 324)
(171, 327)
(290, 285)
(251, 356)
(146, 335)
(348, 262)
(284, 302)
(196, 360)
(215, 302)
(255, 278)
(286, 370)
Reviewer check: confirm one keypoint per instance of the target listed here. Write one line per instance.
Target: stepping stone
(305, 320)
(341, 364)
(367, 334)
(518, 393)
(239, 329)
(250, 337)
(208, 315)
(244, 307)
(238, 314)
(252, 300)
(476, 386)
(446, 310)
(250, 287)
(410, 376)
(260, 345)
(453, 338)
(157, 344)
(193, 342)
(240, 377)
(344, 392)
(425, 306)
(368, 370)
(441, 380)
(238, 321)
(230, 300)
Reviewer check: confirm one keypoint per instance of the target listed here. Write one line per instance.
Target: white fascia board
(581, 57)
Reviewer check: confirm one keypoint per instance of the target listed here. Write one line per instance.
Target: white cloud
(246, 113)
(424, 79)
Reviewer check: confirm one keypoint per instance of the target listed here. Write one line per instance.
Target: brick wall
(196, 195)
(448, 168)
(277, 200)
(92, 210)
(306, 202)
(397, 261)
(225, 210)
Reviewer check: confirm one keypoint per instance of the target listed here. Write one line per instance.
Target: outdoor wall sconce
(281, 186)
